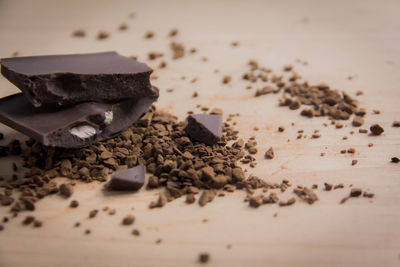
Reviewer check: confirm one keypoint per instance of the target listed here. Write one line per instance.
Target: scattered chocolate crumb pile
(320, 100)
(159, 142)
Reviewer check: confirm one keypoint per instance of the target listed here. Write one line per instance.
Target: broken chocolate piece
(66, 79)
(72, 126)
(128, 179)
(205, 128)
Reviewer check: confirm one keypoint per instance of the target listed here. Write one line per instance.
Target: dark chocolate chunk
(395, 160)
(205, 128)
(128, 179)
(80, 77)
(72, 126)
(376, 129)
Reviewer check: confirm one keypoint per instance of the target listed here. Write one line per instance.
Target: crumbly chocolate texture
(323, 100)
(81, 77)
(72, 126)
(127, 179)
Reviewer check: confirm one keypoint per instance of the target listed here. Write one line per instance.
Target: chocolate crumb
(128, 220)
(170, 90)
(37, 224)
(28, 220)
(162, 65)
(136, 232)
(235, 43)
(289, 202)
(395, 159)
(123, 27)
(173, 32)
(363, 131)
(376, 111)
(338, 186)
(344, 200)
(354, 162)
(190, 198)
(66, 190)
(149, 35)
(355, 192)
(1, 227)
(77, 224)
(394, 124)
(328, 187)
(351, 150)
(87, 232)
(79, 33)
(376, 129)
(154, 55)
(226, 79)
(370, 144)
(368, 195)
(112, 212)
(102, 35)
(358, 121)
(93, 213)
(74, 204)
(269, 154)
(178, 50)
(158, 241)
(204, 257)
(281, 129)
(195, 94)
(256, 201)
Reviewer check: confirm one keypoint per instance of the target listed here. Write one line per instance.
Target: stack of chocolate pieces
(75, 100)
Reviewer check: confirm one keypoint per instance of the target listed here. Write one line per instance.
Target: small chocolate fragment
(74, 204)
(269, 154)
(75, 78)
(205, 128)
(136, 232)
(376, 129)
(358, 121)
(328, 187)
(37, 224)
(355, 192)
(79, 33)
(93, 213)
(28, 220)
(66, 190)
(72, 126)
(395, 160)
(102, 35)
(128, 179)
(396, 124)
(204, 257)
(128, 220)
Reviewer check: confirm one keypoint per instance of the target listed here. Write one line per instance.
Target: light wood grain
(337, 38)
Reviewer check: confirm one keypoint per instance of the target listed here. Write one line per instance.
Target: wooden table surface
(337, 38)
